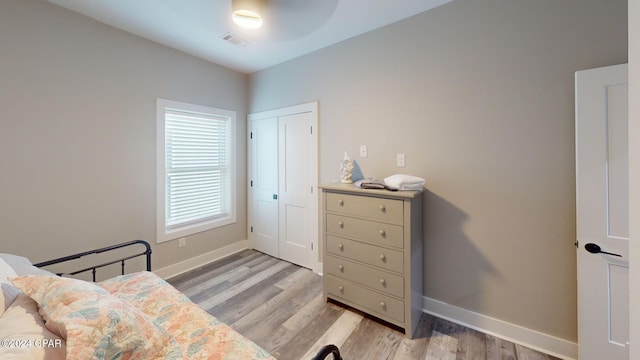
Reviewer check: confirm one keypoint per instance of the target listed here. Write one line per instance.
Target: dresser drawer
(365, 230)
(369, 299)
(369, 254)
(379, 209)
(375, 279)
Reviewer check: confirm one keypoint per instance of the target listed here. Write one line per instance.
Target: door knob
(275, 196)
(594, 249)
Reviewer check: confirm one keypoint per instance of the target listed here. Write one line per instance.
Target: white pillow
(9, 292)
(22, 322)
(22, 266)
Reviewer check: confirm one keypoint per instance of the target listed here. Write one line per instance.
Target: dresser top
(350, 188)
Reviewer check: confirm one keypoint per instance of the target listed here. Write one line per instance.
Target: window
(196, 172)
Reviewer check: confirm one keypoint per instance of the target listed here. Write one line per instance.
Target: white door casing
(291, 206)
(602, 217)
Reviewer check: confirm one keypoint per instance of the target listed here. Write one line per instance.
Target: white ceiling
(292, 27)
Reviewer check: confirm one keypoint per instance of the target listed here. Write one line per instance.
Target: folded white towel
(404, 182)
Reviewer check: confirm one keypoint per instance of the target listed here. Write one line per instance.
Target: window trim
(166, 234)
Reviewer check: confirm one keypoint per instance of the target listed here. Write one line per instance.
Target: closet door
(296, 191)
(263, 195)
(283, 180)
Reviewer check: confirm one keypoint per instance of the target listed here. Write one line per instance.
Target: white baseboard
(514, 333)
(201, 260)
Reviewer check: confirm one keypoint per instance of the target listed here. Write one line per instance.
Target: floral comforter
(199, 335)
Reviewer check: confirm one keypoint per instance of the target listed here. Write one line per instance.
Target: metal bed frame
(323, 353)
(122, 260)
(327, 350)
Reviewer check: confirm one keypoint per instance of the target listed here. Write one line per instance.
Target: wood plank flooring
(280, 307)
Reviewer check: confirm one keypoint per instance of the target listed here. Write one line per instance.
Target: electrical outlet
(182, 242)
(363, 150)
(400, 160)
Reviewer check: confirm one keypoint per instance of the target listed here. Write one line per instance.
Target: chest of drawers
(372, 257)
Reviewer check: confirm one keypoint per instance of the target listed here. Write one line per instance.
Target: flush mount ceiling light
(248, 13)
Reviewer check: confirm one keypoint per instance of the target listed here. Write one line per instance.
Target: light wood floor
(280, 307)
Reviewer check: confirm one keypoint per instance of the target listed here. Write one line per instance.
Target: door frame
(311, 107)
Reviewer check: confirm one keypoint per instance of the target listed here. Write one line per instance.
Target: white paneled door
(296, 190)
(283, 211)
(602, 193)
(263, 213)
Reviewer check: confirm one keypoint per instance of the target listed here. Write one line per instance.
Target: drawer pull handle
(341, 224)
(341, 202)
(341, 289)
(341, 267)
(383, 282)
(382, 257)
(341, 246)
(382, 208)
(382, 304)
(383, 233)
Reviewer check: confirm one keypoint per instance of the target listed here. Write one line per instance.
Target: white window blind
(197, 174)
(196, 167)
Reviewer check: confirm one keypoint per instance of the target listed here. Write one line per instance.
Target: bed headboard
(121, 260)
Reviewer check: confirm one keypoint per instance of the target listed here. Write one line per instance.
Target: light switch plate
(400, 160)
(363, 150)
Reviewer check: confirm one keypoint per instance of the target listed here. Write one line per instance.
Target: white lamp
(248, 13)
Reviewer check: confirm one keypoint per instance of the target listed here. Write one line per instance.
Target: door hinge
(252, 229)
(577, 244)
(311, 246)
(251, 183)
(251, 135)
(311, 130)
(312, 189)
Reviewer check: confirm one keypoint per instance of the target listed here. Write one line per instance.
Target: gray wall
(479, 96)
(78, 133)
